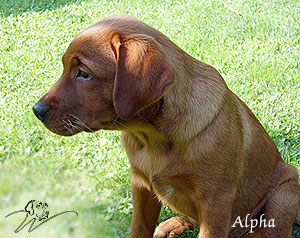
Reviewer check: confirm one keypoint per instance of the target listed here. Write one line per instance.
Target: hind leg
(283, 207)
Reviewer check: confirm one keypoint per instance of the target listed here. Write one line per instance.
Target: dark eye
(81, 75)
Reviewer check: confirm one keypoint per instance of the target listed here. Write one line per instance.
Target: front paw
(173, 226)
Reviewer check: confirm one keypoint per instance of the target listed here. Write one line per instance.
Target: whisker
(115, 124)
(74, 116)
(146, 120)
(69, 129)
(122, 124)
(67, 123)
(67, 126)
(76, 127)
(116, 118)
(80, 122)
(68, 120)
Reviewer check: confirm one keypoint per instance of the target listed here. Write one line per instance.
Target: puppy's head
(39, 209)
(107, 74)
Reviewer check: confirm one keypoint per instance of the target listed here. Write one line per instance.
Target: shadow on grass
(13, 7)
(290, 150)
(296, 229)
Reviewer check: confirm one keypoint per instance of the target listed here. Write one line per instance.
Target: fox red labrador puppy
(191, 142)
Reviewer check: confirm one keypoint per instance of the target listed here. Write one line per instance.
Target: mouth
(72, 124)
(68, 126)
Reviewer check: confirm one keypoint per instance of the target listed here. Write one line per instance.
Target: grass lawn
(254, 44)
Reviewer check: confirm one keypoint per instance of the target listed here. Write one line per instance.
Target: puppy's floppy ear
(29, 207)
(142, 73)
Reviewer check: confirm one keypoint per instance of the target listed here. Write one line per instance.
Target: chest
(178, 191)
(149, 158)
(165, 175)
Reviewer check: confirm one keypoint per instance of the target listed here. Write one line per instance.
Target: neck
(188, 107)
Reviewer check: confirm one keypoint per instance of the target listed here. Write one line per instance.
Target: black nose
(40, 110)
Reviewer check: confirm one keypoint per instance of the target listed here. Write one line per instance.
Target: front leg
(215, 223)
(215, 215)
(146, 209)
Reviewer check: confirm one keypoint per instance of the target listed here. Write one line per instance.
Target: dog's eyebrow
(82, 60)
(74, 59)
(64, 58)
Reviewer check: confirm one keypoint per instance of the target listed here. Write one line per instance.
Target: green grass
(254, 44)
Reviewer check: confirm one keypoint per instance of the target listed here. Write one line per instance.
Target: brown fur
(191, 142)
